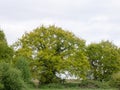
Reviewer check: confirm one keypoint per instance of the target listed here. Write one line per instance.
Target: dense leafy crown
(51, 49)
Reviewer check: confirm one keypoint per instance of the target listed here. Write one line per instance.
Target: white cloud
(92, 20)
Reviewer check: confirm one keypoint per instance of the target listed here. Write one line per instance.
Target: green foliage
(2, 37)
(53, 85)
(91, 84)
(31, 84)
(104, 59)
(23, 66)
(48, 77)
(115, 80)
(71, 85)
(52, 51)
(10, 78)
(94, 84)
(6, 52)
(60, 86)
(1, 86)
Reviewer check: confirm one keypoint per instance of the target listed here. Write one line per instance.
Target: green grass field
(71, 89)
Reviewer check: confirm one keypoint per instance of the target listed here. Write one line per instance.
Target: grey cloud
(63, 9)
(92, 20)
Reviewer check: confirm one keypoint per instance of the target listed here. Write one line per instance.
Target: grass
(72, 89)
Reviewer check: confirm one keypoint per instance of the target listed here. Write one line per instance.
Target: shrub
(10, 78)
(71, 85)
(115, 81)
(1, 86)
(47, 78)
(94, 84)
(31, 84)
(52, 85)
(23, 66)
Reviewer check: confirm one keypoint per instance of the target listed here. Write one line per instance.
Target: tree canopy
(52, 51)
(104, 59)
(6, 52)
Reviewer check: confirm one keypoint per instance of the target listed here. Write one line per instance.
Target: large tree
(6, 52)
(53, 51)
(104, 59)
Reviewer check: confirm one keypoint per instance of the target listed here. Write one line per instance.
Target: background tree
(6, 52)
(104, 59)
(53, 51)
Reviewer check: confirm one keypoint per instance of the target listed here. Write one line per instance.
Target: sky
(91, 20)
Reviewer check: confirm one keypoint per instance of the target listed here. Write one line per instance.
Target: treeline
(48, 52)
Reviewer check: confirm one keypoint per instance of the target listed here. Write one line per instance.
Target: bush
(52, 85)
(1, 86)
(94, 84)
(48, 77)
(115, 81)
(31, 84)
(60, 85)
(10, 78)
(23, 66)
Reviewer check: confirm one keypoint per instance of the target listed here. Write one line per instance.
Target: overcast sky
(92, 20)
